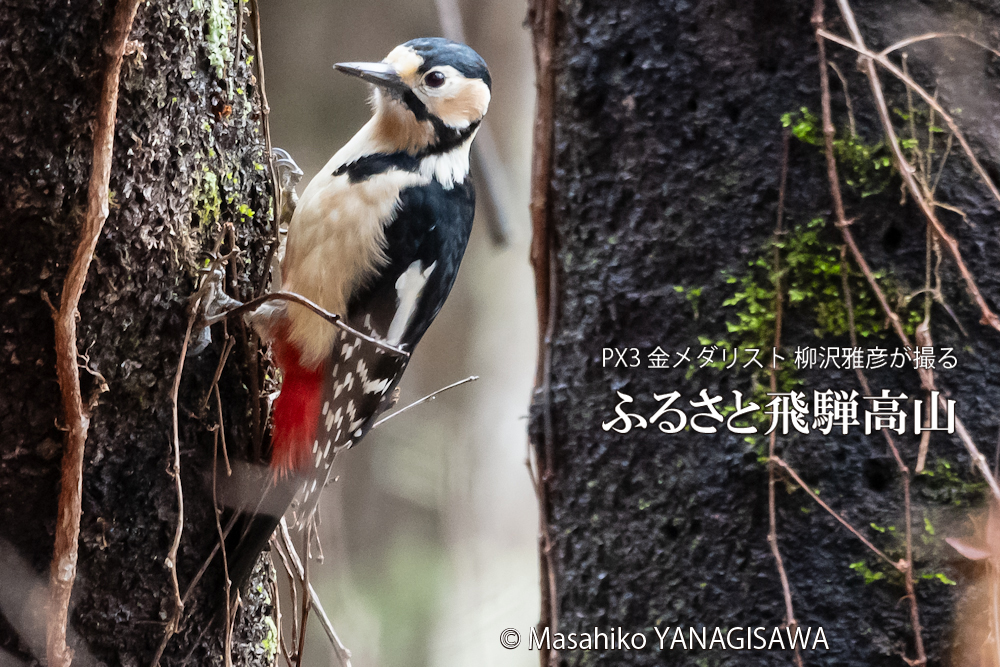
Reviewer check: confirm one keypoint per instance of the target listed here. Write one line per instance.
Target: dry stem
(265, 114)
(343, 655)
(228, 645)
(429, 397)
(542, 18)
(902, 44)
(306, 602)
(926, 375)
(332, 318)
(842, 520)
(868, 60)
(869, 56)
(174, 622)
(75, 415)
(772, 533)
(911, 592)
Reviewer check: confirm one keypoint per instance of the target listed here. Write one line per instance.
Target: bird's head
(435, 91)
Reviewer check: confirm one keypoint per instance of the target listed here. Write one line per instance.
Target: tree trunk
(664, 195)
(188, 157)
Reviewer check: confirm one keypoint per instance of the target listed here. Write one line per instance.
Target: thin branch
(228, 645)
(868, 59)
(847, 98)
(818, 22)
(902, 44)
(173, 624)
(75, 415)
(343, 655)
(542, 19)
(306, 602)
(223, 358)
(222, 432)
(194, 308)
(926, 375)
(772, 533)
(279, 549)
(833, 513)
(911, 592)
(906, 170)
(265, 114)
(208, 561)
(332, 318)
(428, 397)
(277, 601)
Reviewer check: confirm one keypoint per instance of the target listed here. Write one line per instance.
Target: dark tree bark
(188, 157)
(667, 157)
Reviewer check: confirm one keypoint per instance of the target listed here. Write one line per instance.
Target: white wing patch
(409, 287)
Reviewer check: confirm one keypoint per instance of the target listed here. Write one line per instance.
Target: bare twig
(306, 602)
(276, 544)
(208, 561)
(833, 513)
(239, 33)
(173, 624)
(926, 375)
(228, 645)
(222, 432)
(226, 349)
(194, 307)
(343, 655)
(332, 318)
(868, 60)
(906, 170)
(542, 18)
(265, 114)
(772, 533)
(75, 415)
(911, 593)
(902, 44)
(870, 57)
(847, 98)
(818, 22)
(429, 397)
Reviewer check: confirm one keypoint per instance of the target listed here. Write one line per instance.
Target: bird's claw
(213, 306)
(289, 173)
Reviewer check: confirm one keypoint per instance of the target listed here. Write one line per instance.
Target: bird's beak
(381, 74)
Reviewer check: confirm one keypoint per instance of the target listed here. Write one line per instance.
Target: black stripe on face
(445, 137)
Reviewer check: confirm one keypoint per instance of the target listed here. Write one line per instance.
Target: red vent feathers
(296, 410)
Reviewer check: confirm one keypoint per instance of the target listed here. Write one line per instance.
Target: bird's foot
(213, 305)
(289, 175)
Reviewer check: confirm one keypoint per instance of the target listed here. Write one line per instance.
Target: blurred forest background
(430, 535)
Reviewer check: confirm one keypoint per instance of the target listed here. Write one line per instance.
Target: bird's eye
(434, 79)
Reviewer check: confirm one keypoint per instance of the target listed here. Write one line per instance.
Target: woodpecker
(377, 237)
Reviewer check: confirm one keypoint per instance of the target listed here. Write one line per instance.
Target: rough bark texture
(187, 157)
(665, 176)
